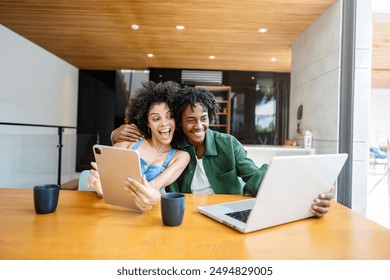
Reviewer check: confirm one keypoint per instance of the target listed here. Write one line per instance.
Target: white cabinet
(261, 154)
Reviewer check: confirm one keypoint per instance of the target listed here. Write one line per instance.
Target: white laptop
(115, 165)
(285, 195)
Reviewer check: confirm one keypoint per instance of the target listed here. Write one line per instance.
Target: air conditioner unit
(196, 77)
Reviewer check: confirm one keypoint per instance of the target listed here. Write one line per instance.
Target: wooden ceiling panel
(381, 50)
(96, 35)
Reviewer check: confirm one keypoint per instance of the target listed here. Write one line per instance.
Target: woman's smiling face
(161, 123)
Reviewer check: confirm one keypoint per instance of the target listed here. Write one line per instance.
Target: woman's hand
(126, 132)
(144, 195)
(321, 205)
(94, 180)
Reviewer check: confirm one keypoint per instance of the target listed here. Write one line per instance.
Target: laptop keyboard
(240, 215)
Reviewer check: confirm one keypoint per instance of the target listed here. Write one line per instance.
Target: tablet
(115, 165)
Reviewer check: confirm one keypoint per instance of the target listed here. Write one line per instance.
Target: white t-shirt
(200, 184)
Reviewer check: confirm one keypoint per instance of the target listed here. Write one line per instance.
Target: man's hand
(126, 132)
(321, 205)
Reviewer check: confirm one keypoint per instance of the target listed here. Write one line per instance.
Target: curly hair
(149, 94)
(190, 96)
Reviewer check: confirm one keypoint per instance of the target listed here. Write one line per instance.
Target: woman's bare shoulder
(182, 155)
(124, 144)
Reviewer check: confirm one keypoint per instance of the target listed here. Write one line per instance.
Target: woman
(217, 159)
(161, 165)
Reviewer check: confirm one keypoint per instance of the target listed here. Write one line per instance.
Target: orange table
(84, 227)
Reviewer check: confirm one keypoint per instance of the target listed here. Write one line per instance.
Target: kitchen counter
(264, 153)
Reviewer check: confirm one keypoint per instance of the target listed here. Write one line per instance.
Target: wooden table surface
(84, 227)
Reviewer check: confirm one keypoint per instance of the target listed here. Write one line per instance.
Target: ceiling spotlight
(150, 55)
(180, 27)
(211, 57)
(263, 30)
(135, 26)
(273, 59)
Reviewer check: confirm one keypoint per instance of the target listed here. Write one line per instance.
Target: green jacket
(224, 160)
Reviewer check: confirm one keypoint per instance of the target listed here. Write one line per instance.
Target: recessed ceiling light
(273, 59)
(180, 27)
(263, 30)
(135, 26)
(150, 55)
(211, 57)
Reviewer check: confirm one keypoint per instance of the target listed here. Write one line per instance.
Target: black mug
(172, 208)
(46, 198)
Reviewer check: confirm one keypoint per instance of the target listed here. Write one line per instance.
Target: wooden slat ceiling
(381, 50)
(96, 35)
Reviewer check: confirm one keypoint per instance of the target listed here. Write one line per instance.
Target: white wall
(36, 87)
(362, 89)
(379, 116)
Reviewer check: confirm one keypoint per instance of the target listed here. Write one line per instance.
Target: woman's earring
(149, 131)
